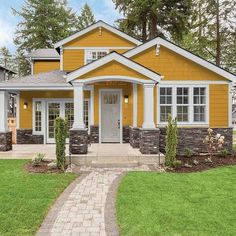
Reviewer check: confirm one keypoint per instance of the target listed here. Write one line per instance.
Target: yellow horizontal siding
(95, 39)
(26, 115)
(218, 96)
(45, 66)
(73, 59)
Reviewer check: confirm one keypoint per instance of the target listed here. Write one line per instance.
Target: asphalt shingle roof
(44, 53)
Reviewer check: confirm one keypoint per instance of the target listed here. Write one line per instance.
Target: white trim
(230, 106)
(61, 58)
(94, 26)
(91, 105)
(191, 82)
(93, 50)
(135, 109)
(116, 57)
(182, 52)
(96, 48)
(45, 58)
(190, 105)
(100, 112)
(42, 117)
(4, 105)
(17, 111)
(32, 66)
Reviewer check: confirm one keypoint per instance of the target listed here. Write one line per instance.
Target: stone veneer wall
(149, 141)
(78, 141)
(193, 138)
(26, 136)
(94, 134)
(125, 134)
(5, 141)
(134, 137)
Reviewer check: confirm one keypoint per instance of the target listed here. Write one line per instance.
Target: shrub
(224, 152)
(213, 142)
(188, 152)
(60, 136)
(171, 142)
(177, 163)
(38, 159)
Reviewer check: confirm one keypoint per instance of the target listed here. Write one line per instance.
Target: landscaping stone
(125, 134)
(78, 141)
(187, 165)
(134, 137)
(94, 134)
(149, 141)
(26, 136)
(195, 162)
(5, 141)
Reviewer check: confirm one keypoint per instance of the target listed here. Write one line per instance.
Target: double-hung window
(165, 103)
(38, 116)
(187, 103)
(93, 55)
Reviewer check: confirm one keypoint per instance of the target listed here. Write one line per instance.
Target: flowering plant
(213, 142)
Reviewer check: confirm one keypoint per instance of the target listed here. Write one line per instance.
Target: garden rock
(195, 162)
(187, 165)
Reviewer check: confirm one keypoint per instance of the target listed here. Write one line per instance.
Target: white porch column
(78, 106)
(148, 97)
(135, 100)
(4, 101)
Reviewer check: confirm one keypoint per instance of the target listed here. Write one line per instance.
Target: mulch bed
(42, 168)
(202, 165)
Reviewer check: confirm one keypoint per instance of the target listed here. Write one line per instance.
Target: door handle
(118, 122)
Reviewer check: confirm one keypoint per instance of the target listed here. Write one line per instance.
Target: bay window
(187, 103)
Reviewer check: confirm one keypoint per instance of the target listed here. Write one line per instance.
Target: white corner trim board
(94, 26)
(114, 57)
(182, 52)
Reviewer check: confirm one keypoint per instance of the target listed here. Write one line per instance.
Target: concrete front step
(100, 164)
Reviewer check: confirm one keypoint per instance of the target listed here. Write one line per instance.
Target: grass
(202, 203)
(234, 132)
(26, 198)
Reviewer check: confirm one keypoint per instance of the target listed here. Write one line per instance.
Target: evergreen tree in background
(44, 22)
(147, 19)
(86, 17)
(8, 60)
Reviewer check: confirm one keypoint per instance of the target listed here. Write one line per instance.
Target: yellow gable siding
(94, 39)
(113, 68)
(127, 109)
(26, 115)
(218, 99)
(45, 66)
(73, 59)
(174, 66)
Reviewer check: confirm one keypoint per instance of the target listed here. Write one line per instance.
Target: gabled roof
(7, 70)
(183, 52)
(94, 26)
(44, 53)
(114, 56)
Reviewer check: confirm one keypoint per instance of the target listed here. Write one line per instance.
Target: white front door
(110, 116)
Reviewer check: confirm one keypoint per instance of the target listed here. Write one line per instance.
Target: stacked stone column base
(5, 141)
(134, 137)
(149, 141)
(78, 141)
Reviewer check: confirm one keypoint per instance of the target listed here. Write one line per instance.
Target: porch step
(113, 164)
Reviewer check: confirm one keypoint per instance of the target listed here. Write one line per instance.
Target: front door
(110, 116)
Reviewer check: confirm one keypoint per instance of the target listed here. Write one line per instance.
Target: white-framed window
(188, 103)
(165, 103)
(38, 116)
(94, 54)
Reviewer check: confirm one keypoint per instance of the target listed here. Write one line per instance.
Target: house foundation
(26, 136)
(5, 141)
(134, 137)
(78, 141)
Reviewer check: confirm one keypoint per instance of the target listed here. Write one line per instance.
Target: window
(182, 97)
(165, 103)
(93, 55)
(199, 101)
(188, 104)
(38, 116)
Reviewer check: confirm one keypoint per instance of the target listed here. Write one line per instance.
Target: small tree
(60, 136)
(171, 142)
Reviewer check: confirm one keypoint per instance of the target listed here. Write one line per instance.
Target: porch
(99, 155)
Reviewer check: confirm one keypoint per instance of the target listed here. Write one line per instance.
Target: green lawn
(178, 204)
(25, 198)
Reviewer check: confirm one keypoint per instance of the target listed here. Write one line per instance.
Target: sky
(102, 9)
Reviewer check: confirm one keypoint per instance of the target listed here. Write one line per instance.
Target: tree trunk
(144, 30)
(218, 40)
(153, 27)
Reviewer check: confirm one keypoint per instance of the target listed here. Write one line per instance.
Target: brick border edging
(111, 226)
(47, 225)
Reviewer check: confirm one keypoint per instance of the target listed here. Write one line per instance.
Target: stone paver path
(83, 212)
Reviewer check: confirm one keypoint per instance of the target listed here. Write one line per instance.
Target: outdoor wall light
(25, 105)
(126, 97)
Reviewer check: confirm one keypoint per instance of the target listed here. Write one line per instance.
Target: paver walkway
(83, 211)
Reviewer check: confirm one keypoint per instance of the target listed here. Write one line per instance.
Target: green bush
(177, 163)
(224, 152)
(38, 159)
(171, 142)
(60, 136)
(188, 152)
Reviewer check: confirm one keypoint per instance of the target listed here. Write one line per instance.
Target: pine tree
(86, 17)
(44, 22)
(150, 18)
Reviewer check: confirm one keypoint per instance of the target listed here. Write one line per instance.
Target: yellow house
(113, 88)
